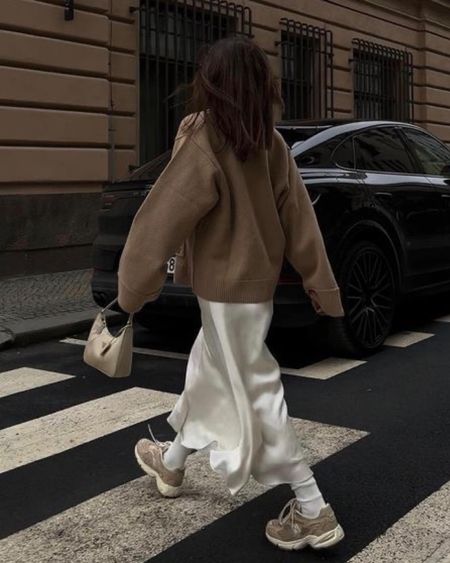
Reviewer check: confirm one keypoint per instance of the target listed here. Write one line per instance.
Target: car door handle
(445, 195)
(387, 194)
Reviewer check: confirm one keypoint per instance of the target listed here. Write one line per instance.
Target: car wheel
(368, 287)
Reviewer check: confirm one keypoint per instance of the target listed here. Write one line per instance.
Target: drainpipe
(68, 9)
(111, 129)
(134, 9)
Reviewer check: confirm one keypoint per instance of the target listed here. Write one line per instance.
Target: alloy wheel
(369, 297)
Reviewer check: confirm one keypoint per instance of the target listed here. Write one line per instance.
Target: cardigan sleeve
(184, 192)
(305, 248)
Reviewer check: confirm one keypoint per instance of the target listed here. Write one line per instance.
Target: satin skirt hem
(298, 472)
(176, 420)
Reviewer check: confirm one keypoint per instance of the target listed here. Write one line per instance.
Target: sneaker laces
(161, 444)
(291, 505)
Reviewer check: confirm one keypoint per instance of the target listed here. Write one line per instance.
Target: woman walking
(230, 205)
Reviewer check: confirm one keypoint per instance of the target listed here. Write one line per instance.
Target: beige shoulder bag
(112, 355)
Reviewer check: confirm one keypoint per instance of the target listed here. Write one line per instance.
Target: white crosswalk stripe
(67, 428)
(139, 523)
(422, 535)
(324, 369)
(406, 338)
(442, 553)
(137, 350)
(24, 379)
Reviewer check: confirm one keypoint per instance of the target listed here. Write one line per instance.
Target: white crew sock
(175, 456)
(309, 497)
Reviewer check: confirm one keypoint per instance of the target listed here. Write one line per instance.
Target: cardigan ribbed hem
(329, 301)
(257, 291)
(235, 291)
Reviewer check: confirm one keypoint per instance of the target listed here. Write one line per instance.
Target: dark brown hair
(235, 83)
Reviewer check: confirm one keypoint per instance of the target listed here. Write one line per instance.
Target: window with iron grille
(382, 82)
(307, 70)
(171, 33)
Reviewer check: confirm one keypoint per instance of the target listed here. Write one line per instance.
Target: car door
(434, 159)
(403, 194)
(335, 190)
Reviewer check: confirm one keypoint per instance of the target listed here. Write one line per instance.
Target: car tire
(368, 288)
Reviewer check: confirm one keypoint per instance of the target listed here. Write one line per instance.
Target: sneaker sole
(165, 489)
(316, 542)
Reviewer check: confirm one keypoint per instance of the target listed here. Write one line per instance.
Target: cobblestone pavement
(45, 295)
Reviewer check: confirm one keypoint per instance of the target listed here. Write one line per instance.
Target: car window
(344, 155)
(432, 155)
(294, 135)
(382, 150)
(319, 156)
(310, 159)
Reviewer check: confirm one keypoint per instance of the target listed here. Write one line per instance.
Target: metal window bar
(68, 10)
(382, 82)
(171, 33)
(307, 70)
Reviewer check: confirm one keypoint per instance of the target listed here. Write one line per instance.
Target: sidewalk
(39, 307)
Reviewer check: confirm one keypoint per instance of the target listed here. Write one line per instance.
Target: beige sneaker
(149, 455)
(294, 531)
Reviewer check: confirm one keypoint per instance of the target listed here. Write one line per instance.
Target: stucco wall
(69, 102)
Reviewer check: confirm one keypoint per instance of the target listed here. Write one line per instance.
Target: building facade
(91, 89)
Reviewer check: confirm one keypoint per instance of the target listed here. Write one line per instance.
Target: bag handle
(130, 315)
(109, 304)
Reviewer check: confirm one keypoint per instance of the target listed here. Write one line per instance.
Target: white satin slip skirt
(233, 401)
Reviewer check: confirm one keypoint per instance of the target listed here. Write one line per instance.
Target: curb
(30, 331)
(6, 338)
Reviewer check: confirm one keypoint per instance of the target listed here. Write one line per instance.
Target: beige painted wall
(69, 88)
(68, 93)
(69, 97)
(422, 27)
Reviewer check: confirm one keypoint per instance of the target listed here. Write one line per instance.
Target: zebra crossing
(410, 539)
(49, 435)
(23, 379)
(323, 369)
(129, 503)
(70, 488)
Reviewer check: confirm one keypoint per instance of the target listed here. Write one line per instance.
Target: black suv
(381, 192)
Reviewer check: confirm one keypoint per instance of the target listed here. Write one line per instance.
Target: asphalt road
(375, 431)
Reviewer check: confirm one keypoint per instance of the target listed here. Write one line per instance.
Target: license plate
(171, 265)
